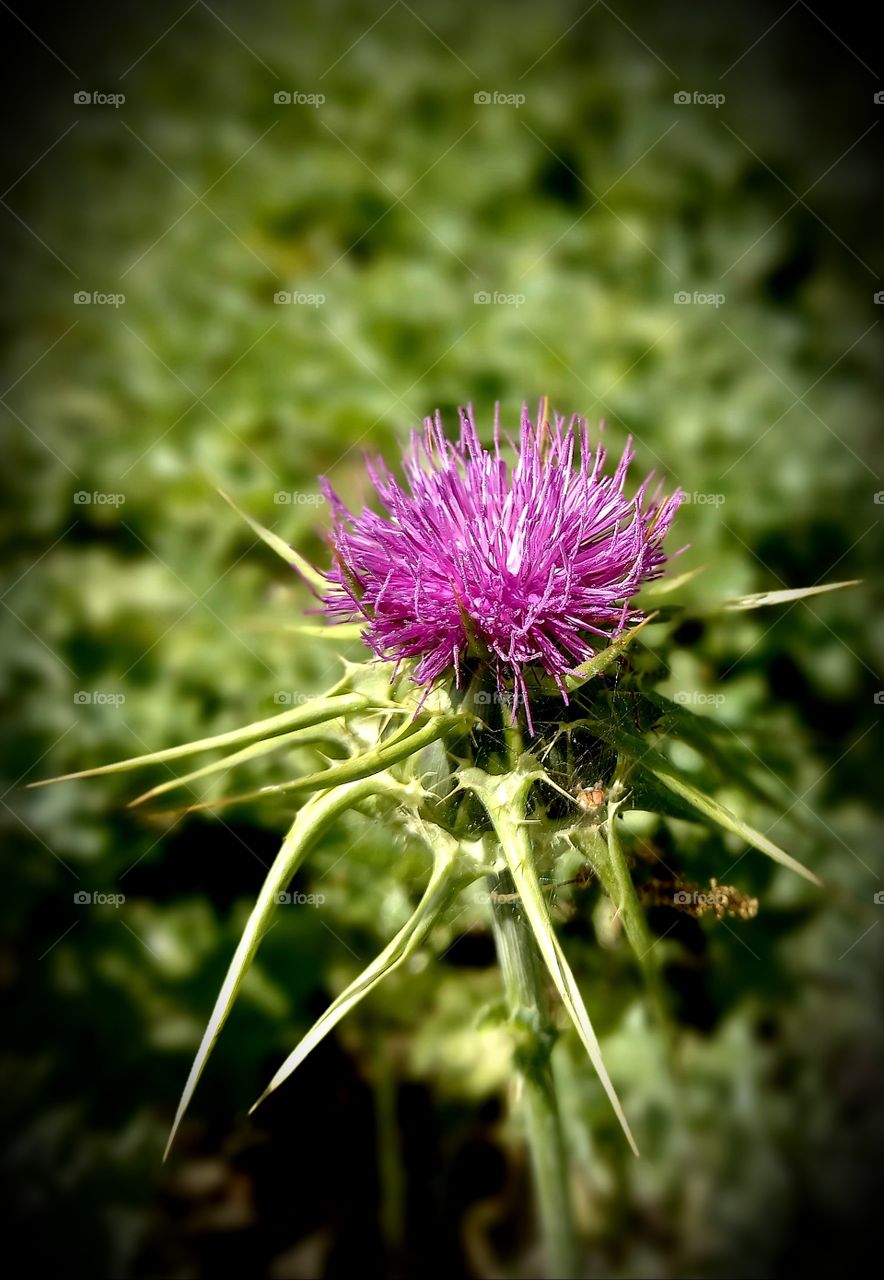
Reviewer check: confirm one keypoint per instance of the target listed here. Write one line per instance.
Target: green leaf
(730, 821)
(503, 798)
(316, 711)
(312, 820)
(442, 885)
(762, 598)
(310, 575)
(298, 737)
(603, 660)
(648, 794)
(382, 757)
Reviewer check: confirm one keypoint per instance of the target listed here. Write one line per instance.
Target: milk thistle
(530, 568)
(503, 593)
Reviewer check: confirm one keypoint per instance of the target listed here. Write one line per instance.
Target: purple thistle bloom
(529, 567)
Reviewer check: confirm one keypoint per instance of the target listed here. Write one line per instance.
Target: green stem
(529, 1012)
(522, 970)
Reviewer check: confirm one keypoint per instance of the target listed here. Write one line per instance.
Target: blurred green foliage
(398, 199)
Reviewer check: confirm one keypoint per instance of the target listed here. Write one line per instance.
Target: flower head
(529, 566)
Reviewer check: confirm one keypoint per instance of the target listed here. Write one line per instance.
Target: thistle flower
(527, 568)
(530, 569)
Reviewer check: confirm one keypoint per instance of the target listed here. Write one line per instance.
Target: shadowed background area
(242, 244)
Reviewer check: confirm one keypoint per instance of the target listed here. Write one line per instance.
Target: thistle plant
(505, 594)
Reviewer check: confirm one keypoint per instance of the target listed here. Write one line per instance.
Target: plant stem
(528, 1007)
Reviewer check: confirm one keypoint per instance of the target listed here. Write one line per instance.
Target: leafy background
(583, 211)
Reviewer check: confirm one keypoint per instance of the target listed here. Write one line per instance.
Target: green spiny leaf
(504, 801)
(382, 757)
(312, 820)
(443, 882)
(316, 711)
(299, 737)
